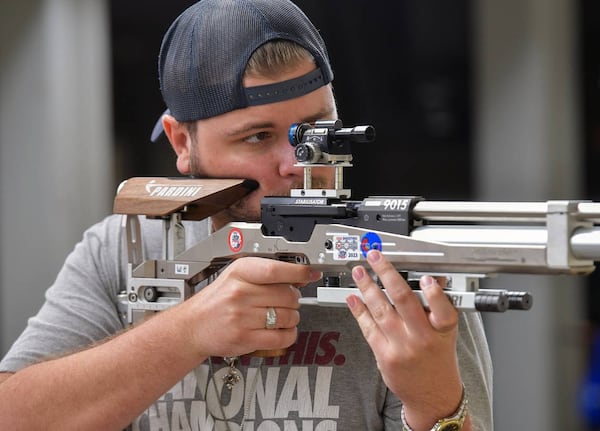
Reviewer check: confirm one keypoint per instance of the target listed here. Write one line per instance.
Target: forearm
(101, 388)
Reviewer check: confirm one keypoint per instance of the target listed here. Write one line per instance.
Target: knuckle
(292, 296)
(269, 269)
(379, 312)
(446, 322)
(402, 296)
(234, 292)
(390, 276)
(385, 269)
(368, 328)
(290, 336)
(288, 319)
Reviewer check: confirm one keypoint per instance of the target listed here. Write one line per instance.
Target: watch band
(453, 422)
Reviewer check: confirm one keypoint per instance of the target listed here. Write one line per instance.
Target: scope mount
(325, 145)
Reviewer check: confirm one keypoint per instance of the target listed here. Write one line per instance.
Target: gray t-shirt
(328, 380)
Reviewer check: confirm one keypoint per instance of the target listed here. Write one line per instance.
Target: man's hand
(228, 317)
(415, 349)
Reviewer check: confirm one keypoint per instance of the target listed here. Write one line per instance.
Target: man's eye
(258, 138)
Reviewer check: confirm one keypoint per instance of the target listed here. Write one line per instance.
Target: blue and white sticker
(370, 241)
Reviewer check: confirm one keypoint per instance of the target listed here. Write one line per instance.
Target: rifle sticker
(235, 239)
(370, 241)
(182, 269)
(346, 247)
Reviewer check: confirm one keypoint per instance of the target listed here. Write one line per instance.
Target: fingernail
(296, 290)
(358, 272)
(373, 255)
(351, 301)
(427, 281)
(315, 275)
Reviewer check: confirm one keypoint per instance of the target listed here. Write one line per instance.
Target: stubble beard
(247, 209)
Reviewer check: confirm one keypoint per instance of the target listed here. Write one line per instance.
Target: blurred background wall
(56, 143)
(471, 99)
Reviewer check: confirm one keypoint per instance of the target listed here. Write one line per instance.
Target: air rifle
(462, 241)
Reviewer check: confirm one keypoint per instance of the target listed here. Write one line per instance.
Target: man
(235, 74)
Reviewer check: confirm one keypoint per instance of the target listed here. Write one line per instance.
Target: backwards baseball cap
(205, 52)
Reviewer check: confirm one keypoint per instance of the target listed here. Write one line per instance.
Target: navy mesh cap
(205, 52)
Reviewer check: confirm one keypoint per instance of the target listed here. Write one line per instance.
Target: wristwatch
(451, 423)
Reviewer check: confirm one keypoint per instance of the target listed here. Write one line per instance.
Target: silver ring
(271, 321)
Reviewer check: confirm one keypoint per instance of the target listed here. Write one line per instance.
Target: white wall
(55, 143)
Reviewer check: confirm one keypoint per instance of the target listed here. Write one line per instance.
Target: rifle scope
(327, 141)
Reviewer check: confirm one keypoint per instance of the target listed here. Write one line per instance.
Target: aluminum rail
(500, 211)
(584, 242)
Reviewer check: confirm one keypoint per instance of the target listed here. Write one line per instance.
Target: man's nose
(287, 160)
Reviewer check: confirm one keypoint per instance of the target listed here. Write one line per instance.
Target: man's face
(253, 143)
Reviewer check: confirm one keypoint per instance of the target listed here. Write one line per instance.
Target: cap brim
(158, 132)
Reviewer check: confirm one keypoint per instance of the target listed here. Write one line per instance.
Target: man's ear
(180, 140)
